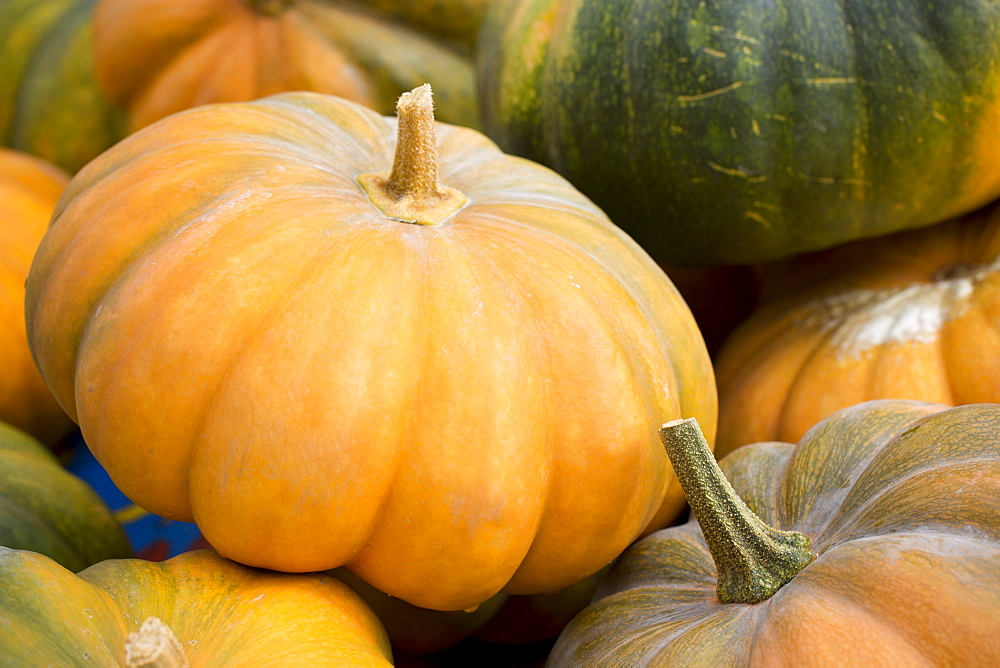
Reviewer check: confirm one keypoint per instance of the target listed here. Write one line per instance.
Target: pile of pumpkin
(412, 361)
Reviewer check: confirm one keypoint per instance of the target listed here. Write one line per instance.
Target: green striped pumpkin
(725, 132)
(50, 103)
(46, 509)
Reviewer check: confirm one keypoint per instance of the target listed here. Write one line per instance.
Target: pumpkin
(194, 609)
(423, 360)
(47, 509)
(50, 103)
(725, 132)
(873, 541)
(455, 20)
(29, 189)
(915, 316)
(157, 57)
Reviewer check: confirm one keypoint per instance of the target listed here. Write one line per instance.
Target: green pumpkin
(46, 509)
(724, 132)
(50, 102)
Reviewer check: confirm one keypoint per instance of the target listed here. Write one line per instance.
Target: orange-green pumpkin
(50, 103)
(876, 542)
(45, 508)
(913, 316)
(741, 131)
(211, 612)
(29, 190)
(329, 348)
(156, 57)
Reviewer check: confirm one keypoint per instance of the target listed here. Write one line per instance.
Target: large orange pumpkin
(912, 316)
(156, 57)
(29, 189)
(450, 389)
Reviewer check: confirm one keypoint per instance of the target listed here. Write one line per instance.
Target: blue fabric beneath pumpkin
(153, 537)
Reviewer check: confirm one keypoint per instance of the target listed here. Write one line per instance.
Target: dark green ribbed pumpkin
(50, 103)
(45, 508)
(731, 132)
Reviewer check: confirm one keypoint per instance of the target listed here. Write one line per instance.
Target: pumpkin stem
(154, 645)
(753, 559)
(411, 192)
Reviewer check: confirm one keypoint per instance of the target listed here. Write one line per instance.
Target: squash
(874, 541)
(913, 316)
(157, 57)
(50, 103)
(47, 509)
(29, 189)
(424, 360)
(194, 609)
(725, 132)
(454, 20)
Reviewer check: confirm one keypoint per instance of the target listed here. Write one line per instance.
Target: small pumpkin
(913, 316)
(873, 541)
(194, 609)
(50, 103)
(29, 189)
(157, 57)
(45, 508)
(738, 131)
(424, 360)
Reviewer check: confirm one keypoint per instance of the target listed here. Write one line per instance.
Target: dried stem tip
(411, 192)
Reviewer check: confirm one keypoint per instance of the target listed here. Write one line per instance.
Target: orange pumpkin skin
(447, 410)
(29, 190)
(222, 613)
(157, 57)
(912, 316)
(899, 501)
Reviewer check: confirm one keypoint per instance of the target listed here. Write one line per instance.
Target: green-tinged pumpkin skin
(221, 613)
(29, 190)
(45, 508)
(915, 315)
(898, 499)
(157, 57)
(725, 132)
(444, 409)
(50, 103)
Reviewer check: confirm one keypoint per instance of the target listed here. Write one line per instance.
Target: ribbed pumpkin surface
(222, 614)
(50, 103)
(899, 500)
(448, 410)
(157, 57)
(915, 316)
(737, 131)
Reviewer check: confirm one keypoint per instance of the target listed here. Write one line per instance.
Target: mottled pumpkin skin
(29, 190)
(157, 57)
(724, 132)
(223, 614)
(914, 316)
(447, 410)
(50, 103)
(899, 499)
(45, 508)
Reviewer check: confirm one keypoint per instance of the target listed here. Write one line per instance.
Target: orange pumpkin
(29, 189)
(449, 386)
(194, 609)
(911, 316)
(157, 57)
(875, 541)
